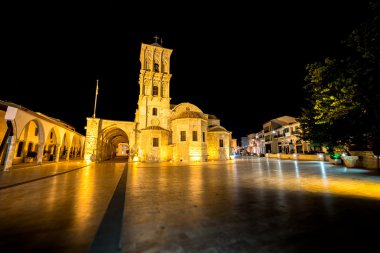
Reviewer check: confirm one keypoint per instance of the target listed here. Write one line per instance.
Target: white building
(279, 135)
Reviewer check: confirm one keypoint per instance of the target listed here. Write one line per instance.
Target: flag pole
(96, 96)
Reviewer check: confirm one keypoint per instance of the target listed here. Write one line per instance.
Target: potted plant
(335, 158)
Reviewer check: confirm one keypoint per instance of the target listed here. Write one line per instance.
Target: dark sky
(244, 64)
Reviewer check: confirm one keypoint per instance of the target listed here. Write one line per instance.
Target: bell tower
(154, 80)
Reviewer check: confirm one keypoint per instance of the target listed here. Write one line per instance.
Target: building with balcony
(279, 135)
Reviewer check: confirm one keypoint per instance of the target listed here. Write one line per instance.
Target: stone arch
(52, 145)
(29, 141)
(109, 140)
(65, 146)
(82, 142)
(76, 146)
(32, 129)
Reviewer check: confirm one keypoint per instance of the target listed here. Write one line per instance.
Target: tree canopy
(344, 91)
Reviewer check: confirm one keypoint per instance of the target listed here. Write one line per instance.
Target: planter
(350, 161)
(337, 161)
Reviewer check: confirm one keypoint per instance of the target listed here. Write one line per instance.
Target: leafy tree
(344, 93)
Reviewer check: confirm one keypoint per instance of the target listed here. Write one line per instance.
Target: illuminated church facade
(161, 131)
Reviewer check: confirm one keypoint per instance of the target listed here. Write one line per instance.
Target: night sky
(244, 64)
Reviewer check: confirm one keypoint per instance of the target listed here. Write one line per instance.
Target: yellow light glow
(84, 193)
(135, 158)
(195, 154)
(332, 185)
(345, 187)
(87, 158)
(320, 183)
(196, 158)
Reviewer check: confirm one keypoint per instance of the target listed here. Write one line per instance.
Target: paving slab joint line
(40, 178)
(33, 165)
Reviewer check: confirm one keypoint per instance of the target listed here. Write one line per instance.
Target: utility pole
(96, 96)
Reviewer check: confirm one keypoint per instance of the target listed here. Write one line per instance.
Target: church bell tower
(154, 98)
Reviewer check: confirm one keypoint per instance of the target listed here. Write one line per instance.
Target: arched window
(148, 62)
(30, 146)
(19, 148)
(155, 91)
(156, 67)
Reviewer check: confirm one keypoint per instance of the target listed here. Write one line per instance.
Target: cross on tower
(156, 38)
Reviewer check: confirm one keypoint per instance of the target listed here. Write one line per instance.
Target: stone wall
(366, 159)
(298, 156)
(92, 130)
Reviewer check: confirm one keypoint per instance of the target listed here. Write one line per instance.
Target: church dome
(217, 129)
(156, 44)
(189, 114)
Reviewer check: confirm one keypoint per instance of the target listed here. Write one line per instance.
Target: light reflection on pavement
(246, 205)
(250, 205)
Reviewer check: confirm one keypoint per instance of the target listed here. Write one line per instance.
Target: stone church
(161, 131)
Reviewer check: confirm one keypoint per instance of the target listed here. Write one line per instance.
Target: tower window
(195, 136)
(36, 131)
(155, 90)
(154, 111)
(156, 67)
(156, 142)
(221, 144)
(183, 135)
(148, 63)
(203, 136)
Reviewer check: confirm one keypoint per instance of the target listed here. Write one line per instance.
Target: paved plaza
(243, 205)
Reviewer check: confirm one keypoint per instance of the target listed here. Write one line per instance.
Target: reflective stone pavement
(246, 205)
(57, 213)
